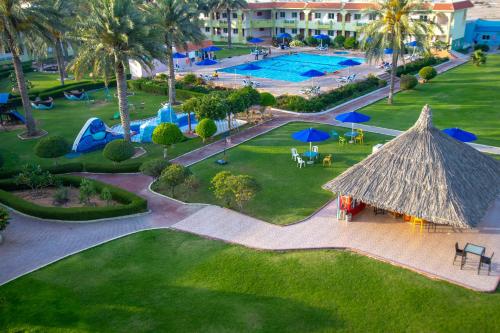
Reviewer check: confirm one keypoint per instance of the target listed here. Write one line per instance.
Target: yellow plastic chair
(418, 220)
(359, 138)
(327, 160)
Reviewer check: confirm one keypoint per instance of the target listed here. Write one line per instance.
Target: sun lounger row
(346, 79)
(311, 90)
(250, 83)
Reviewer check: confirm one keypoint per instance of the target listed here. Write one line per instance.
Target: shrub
(189, 78)
(87, 191)
(153, 168)
(311, 41)
(297, 43)
(191, 183)
(414, 66)
(118, 150)
(4, 218)
(167, 134)
(52, 147)
(250, 96)
(427, 73)
(173, 176)
(267, 99)
(339, 41)
(482, 47)
(61, 196)
(130, 203)
(351, 43)
(237, 189)
(478, 58)
(222, 188)
(106, 195)
(34, 177)
(206, 128)
(211, 106)
(408, 82)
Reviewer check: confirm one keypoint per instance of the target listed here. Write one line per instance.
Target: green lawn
(41, 81)
(233, 52)
(288, 193)
(465, 97)
(167, 281)
(68, 117)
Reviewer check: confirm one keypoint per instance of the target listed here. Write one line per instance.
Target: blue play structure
(94, 135)
(8, 112)
(76, 95)
(43, 105)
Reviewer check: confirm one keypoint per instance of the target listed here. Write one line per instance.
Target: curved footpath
(32, 243)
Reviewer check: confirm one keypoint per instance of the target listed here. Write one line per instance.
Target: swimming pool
(289, 67)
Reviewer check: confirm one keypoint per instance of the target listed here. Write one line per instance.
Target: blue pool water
(289, 67)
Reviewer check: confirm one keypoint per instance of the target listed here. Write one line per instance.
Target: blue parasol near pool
(369, 39)
(250, 67)
(349, 63)
(412, 44)
(352, 117)
(178, 55)
(255, 40)
(284, 35)
(312, 73)
(460, 134)
(321, 37)
(211, 48)
(206, 62)
(388, 51)
(310, 135)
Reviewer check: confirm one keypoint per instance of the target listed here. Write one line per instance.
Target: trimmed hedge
(130, 203)
(331, 98)
(7, 68)
(184, 90)
(415, 66)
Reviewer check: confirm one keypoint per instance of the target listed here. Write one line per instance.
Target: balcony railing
(261, 24)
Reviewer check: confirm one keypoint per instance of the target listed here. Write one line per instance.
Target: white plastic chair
(300, 162)
(295, 154)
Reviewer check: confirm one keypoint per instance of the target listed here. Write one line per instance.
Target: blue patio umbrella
(206, 62)
(412, 44)
(312, 73)
(349, 63)
(250, 67)
(352, 117)
(310, 135)
(388, 51)
(255, 40)
(4, 98)
(321, 37)
(369, 39)
(178, 55)
(211, 48)
(460, 134)
(284, 35)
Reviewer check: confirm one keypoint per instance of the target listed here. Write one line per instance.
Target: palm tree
(114, 32)
(21, 21)
(478, 58)
(179, 19)
(393, 29)
(228, 6)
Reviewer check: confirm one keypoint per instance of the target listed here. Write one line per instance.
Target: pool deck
(278, 87)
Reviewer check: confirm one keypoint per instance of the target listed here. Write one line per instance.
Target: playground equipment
(76, 95)
(8, 112)
(38, 104)
(94, 135)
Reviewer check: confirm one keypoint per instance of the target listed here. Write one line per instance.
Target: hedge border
(130, 203)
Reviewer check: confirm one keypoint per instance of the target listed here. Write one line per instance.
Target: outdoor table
(310, 155)
(351, 135)
(473, 249)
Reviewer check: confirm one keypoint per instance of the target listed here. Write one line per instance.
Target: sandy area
(46, 199)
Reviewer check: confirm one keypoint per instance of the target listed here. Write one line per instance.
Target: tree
(106, 195)
(167, 134)
(237, 189)
(211, 106)
(235, 104)
(173, 176)
(229, 5)
(154, 168)
(221, 187)
(118, 150)
(339, 41)
(393, 29)
(118, 31)
(87, 191)
(179, 20)
(22, 21)
(206, 128)
(408, 82)
(190, 106)
(267, 99)
(33, 176)
(52, 147)
(4, 218)
(350, 43)
(478, 58)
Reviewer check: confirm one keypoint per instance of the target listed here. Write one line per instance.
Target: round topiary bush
(267, 99)
(52, 147)
(206, 128)
(154, 167)
(427, 73)
(167, 134)
(408, 82)
(118, 150)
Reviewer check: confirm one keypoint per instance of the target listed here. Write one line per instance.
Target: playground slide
(18, 116)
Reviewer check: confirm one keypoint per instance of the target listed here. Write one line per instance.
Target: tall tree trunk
(229, 30)
(393, 76)
(189, 122)
(21, 84)
(60, 60)
(171, 72)
(121, 87)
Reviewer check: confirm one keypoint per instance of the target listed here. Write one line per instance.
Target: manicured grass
(41, 81)
(166, 281)
(67, 118)
(233, 52)
(288, 193)
(465, 97)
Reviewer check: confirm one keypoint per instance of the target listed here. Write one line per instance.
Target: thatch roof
(425, 173)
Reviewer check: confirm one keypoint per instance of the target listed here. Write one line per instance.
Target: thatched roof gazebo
(425, 173)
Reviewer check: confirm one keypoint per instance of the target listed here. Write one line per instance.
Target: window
(225, 30)
(224, 15)
(261, 29)
(259, 13)
(235, 15)
(423, 17)
(294, 31)
(294, 15)
(207, 29)
(235, 31)
(317, 15)
(331, 16)
(317, 32)
(339, 17)
(302, 16)
(217, 16)
(282, 14)
(485, 37)
(243, 32)
(372, 17)
(282, 30)
(357, 16)
(348, 17)
(331, 33)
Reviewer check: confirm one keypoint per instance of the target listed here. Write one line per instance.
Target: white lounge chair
(300, 162)
(342, 79)
(247, 83)
(295, 154)
(322, 48)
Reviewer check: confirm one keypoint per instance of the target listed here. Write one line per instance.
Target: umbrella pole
(310, 151)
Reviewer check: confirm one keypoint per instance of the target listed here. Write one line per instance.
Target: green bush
(106, 195)
(130, 203)
(118, 150)
(339, 41)
(206, 128)
(211, 106)
(427, 73)
(173, 176)
(52, 147)
(297, 43)
(311, 41)
(351, 43)
(408, 82)
(414, 66)
(250, 95)
(482, 47)
(4, 218)
(1, 160)
(87, 191)
(189, 78)
(153, 168)
(267, 99)
(167, 134)
(61, 196)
